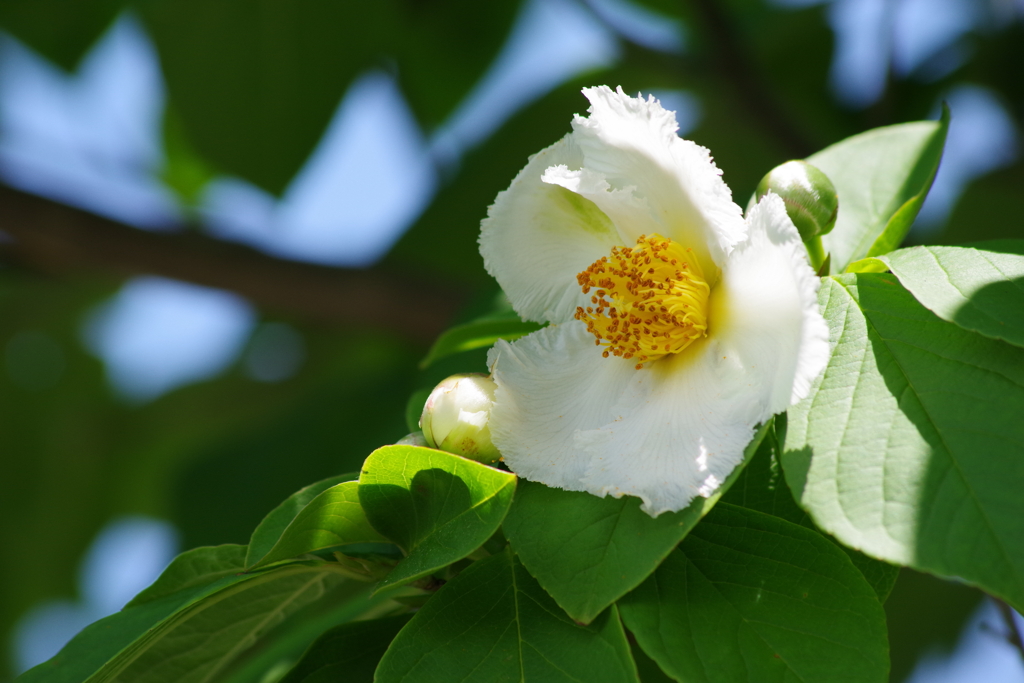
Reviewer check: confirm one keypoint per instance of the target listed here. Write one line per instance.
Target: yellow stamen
(651, 300)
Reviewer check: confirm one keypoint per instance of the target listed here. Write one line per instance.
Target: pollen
(651, 300)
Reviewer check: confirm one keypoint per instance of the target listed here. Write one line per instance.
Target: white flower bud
(455, 417)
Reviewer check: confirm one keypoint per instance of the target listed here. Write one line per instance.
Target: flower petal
(631, 145)
(551, 384)
(682, 426)
(537, 237)
(765, 309)
(566, 417)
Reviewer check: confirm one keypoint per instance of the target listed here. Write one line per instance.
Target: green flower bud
(455, 417)
(810, 197)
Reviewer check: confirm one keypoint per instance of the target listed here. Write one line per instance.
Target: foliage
(424, 566)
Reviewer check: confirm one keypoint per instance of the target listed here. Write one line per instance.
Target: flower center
(651, 300)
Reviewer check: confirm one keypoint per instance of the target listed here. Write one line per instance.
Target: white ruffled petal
(681, 428)
(632, 146)
(630, 214)
(551, 384)
(765, 311)
(538, 236)
(685, 424)
(566, 417)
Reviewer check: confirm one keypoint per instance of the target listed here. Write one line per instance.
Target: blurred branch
(733, 61)
(1015, 637)
(55, 238)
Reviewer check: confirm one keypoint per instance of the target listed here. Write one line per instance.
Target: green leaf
(495, 623)
(979, 287)
(646, 667)
(157, 616)
(268, 533)
(438, 65)
(749, 598)
(475, 335)
(349, 652)
(586, 551)
(61, 31)
(436, 506)
(882, 177)
(256, 84)
(272, 655)
(333, 518)
(194, 568)
(203, 637)
(762, 487)
(908, 448)
(881, 576)
(926, 616)
(101, 641)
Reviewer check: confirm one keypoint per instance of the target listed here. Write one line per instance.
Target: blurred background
(230, 229)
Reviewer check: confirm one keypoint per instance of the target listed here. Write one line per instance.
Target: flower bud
(810, 197)
(455, 417)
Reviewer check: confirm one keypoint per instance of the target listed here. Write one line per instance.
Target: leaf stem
(816, 253)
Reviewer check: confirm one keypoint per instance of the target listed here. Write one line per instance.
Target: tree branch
(55, 238)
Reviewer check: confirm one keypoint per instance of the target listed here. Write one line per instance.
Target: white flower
(622, 220)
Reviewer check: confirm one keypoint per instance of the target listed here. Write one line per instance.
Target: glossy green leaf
(762, 487)
(349, 652)
(333, 518)
(256, 84)
(268, 533)
(194, 569)
(979, 287)
(203, 637)
(587, 551)
(882, 177)
(477, 334)
(494, 622)
(750, 598)
(908, 448)
(436, 506)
